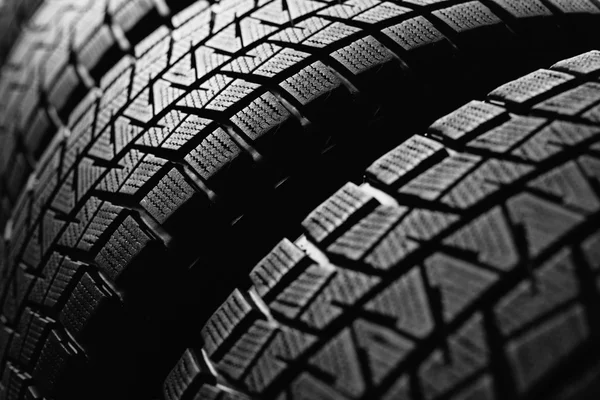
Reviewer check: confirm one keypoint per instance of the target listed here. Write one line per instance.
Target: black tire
(62, 53)
(115, 171)
(466, 265)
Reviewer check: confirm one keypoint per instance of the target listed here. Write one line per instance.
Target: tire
(133, 210)
(13, 15)
(61, 56)
(465, 265)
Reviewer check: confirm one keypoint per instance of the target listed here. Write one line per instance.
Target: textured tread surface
(154, 134)
(421, 295)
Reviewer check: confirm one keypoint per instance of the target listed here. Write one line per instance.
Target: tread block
(16, 290)
(181, 73)
(569, 185)
(467, 354)
(170, 193)
(199, 98)
(490, 238)
(573, 101)
(307, 387)
(141, 108)
(281, 61)
(414, 33)
(488, 179)
(213, 154)
(575, 6)
(406, 301)
(468, 120)
(418, 226)
(543, 222)
(82, 304)
(228, 318)
(192, 126)
(209, 392)
(355, 243)
(459, 282)
(57, 273)
(32, 253)
(362, 55)
(63, 88)
(383, 347)
(102, 216)
(64, 200)
(145, 170)
(330, 34)
(280, 262)
(502, 138)
(348, 9)
(548, 345)
(54, 359)
(432, 183)
(251, 59)
(530, 87)
(115, 177)
(292, 300)
(130, 13)
(400, 389)
(6, 337)
(14, 382)
(393, 248)
(467, 16)
(591, 250)
(346, 288)
(553, 284)
(87, 176)
(234, 37)
(124, 245)
(381, 12)
(287, 345)
(522, 9)
(181, 376)
(50, 229)
(590, 167)
(299, 32)
(32, 327)
(61, 279)
(392, 168)
(311, 82)
(482, 389)
(246, 349)
(99, 44)
(340, 361)
(592, 115)
(156, 135)
(261, 116)
(347, 203)
(234, 92)
(587, 63)
(429, 2)
(163, 95)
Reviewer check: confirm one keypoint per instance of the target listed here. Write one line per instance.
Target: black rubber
(13, 15)
(140, 187)
(61, 54)
(466, 265)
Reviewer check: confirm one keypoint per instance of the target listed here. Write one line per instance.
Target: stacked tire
(264, 199)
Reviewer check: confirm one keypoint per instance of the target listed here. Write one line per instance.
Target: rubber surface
(211, 129)
(466, 265)
(59, 53)
(13, 15)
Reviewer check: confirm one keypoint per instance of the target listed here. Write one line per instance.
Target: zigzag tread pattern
(500, 285)
(108, 236)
